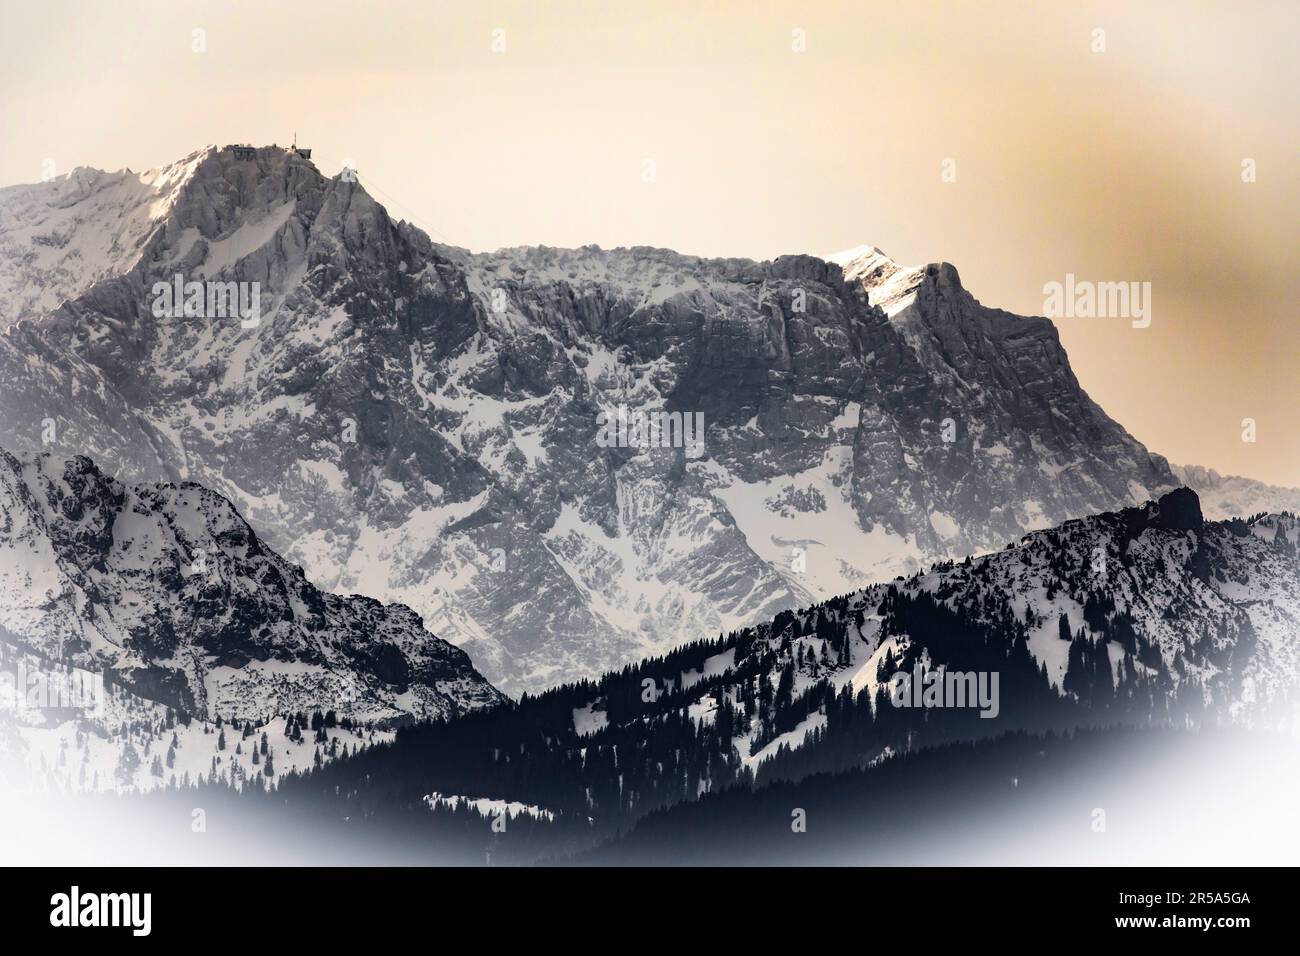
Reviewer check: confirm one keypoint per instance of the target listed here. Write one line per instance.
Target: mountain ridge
(167, 587)
(1142, 619)
(416, 422)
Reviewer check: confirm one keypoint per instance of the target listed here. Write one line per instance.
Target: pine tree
(128, 763)
(1076, 671)
(1104, 682)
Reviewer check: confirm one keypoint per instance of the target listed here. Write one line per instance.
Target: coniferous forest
(722, 725)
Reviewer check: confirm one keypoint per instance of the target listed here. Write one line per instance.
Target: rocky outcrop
(1180, 510)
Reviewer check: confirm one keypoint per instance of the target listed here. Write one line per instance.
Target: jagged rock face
(419, 423)
(56, 400)
(1030, 448)
(167, 587)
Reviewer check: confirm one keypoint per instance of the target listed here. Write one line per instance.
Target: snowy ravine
(419, 423)
(168, 590)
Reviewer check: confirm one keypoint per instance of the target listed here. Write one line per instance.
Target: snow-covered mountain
(1227, 496)
(167, 589)
(422, 424)
(1149, 617)
(59, 238)
(66, 729)
(1177, 607)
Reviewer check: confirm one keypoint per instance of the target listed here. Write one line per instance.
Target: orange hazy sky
(1115, 165)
